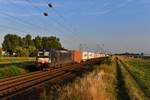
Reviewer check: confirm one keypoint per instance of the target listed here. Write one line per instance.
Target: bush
(10, 71)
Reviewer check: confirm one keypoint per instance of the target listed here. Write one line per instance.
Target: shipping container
(84, 55)
(76, 56)
(96, 55)
(90, 55)
(102, 55)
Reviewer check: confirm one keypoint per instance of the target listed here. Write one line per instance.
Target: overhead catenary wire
(44, 12)
(50, 5)
(16, 18)
(12, 28)
(28, 24)
(34, 6)
(52, 19)
(23, 21)
(69, 26)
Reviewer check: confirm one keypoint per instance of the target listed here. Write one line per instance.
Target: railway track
(13, 86)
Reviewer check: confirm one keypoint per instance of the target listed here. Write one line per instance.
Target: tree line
(26, 46)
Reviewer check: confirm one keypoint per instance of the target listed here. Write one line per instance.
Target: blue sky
(121, 25)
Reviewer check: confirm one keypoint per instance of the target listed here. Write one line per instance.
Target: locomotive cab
(43, 59)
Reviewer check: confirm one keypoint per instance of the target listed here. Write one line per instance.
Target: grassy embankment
(12, 66)
(140, 70)
(134, 91)
(100, 84)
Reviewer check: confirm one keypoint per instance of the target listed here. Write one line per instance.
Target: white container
(84, 55)
(97, 55)
(90, 55)
(102, 55)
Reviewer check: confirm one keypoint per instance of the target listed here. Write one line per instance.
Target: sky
(115, 25)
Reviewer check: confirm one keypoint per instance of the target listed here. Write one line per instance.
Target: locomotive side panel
(65, 57)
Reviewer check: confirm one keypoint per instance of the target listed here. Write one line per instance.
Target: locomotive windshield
(43, 53)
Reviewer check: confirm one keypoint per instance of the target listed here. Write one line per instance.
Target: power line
(30, 2)
(54, 20)
(68, 26)
(44, 13)
(50, 5)
(20, 20)
(61, 17)
(12, 28)
(38, 26)
(16, 18)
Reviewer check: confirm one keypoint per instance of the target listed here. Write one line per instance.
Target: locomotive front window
(43, 54)
(46, 53)
(40, 53)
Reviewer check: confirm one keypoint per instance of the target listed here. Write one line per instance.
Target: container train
(52, 58)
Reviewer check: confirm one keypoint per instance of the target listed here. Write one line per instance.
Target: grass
(121, 86)
(140, 68)
(12, 66)
(7, 60)
(134, 90)
(97, 85)
(10, 71)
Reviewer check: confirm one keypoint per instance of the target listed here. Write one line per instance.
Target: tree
(54, 42)
(26, 46)
(26, 52)
(27, 41)
(38, 42)
(51, 42)
(10, 43)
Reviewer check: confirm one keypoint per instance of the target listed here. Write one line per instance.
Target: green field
(140, 69)
(7, 60)
(12, 66)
